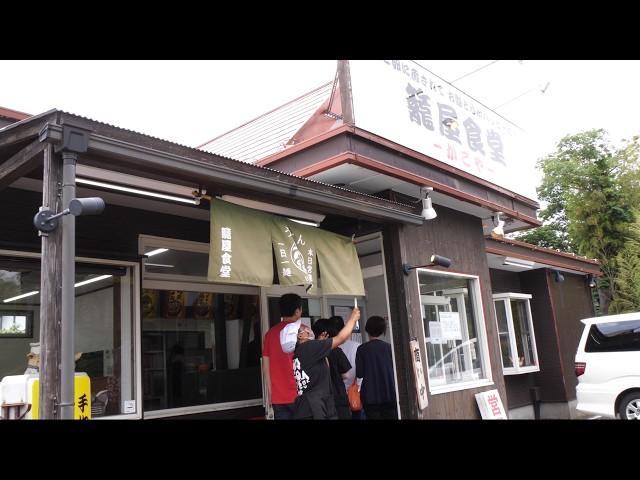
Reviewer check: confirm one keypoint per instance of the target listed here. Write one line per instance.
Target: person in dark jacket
(311, 369)
(339, 365)
(374, 365)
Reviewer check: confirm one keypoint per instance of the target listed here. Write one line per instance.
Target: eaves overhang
(195, 164)
(543, 256)
(353, 146)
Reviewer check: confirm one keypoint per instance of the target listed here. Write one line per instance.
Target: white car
(608, 366)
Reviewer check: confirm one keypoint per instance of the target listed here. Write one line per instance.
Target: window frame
(475, 296)
(506, 297)
(130, 335)
(28, 323)
(159, 281)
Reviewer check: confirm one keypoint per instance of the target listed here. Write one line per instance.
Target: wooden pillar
(51, 291)
(401, 309)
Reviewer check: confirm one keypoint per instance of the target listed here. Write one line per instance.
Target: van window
(614, 337)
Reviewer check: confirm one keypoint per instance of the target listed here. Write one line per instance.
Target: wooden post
(400, 308)
(50, 292)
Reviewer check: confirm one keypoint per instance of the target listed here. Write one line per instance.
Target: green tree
(627, 281)
(549, 235)
(589, 188)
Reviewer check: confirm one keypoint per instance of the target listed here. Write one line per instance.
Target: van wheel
(629, 408)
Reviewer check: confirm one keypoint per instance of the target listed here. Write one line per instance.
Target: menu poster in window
(150, 300)
(203, 306)
(450, 325)
(174, 304)
(435, 333)
(421, 386)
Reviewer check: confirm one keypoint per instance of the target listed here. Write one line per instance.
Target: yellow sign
(82, 400)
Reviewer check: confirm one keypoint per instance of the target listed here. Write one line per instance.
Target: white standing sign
(450, 325)
(490, 405)
(403, 102)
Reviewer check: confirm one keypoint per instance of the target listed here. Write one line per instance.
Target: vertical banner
(421, 386)
(240, 245)
(295, 251)
(339, 265)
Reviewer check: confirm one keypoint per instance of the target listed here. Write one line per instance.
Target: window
(614, 337)
(201, 342)
(199, 348)
(454, 335)
(105, 294)
(16, 324)
(515, 332)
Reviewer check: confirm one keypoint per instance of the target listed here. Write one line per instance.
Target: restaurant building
(178, 279)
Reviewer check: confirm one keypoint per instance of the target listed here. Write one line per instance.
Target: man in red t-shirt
(278, 365)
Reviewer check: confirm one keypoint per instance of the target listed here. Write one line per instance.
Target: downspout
(74, 141)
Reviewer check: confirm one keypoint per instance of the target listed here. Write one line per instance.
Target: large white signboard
(405, 103)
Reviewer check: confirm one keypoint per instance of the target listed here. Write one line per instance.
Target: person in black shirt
(311, 370)
(374, 364)
(338, 367)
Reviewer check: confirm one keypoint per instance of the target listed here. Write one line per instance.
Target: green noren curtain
(339, 266)
(238, 252)
(243, 241)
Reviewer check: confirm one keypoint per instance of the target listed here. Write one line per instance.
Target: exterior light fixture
(156, 252)
(591, 281)
(517, 262)
(428, 212)
(436, 260)
(46, 221)
(498, 231)
(558, 276)
(137, 191)
(18, 297)
(79, 284)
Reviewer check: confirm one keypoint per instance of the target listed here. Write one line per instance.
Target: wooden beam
(31, 127)
(50, 292)
(21, 163)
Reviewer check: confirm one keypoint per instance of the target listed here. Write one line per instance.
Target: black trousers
(344, 412)
(380, 411)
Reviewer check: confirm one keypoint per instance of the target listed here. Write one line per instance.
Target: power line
(542, 90)
(466, 94)
(476, 70)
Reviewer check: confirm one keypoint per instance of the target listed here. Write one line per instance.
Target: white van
(608, 366)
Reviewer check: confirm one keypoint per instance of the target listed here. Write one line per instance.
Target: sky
(191, 102)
